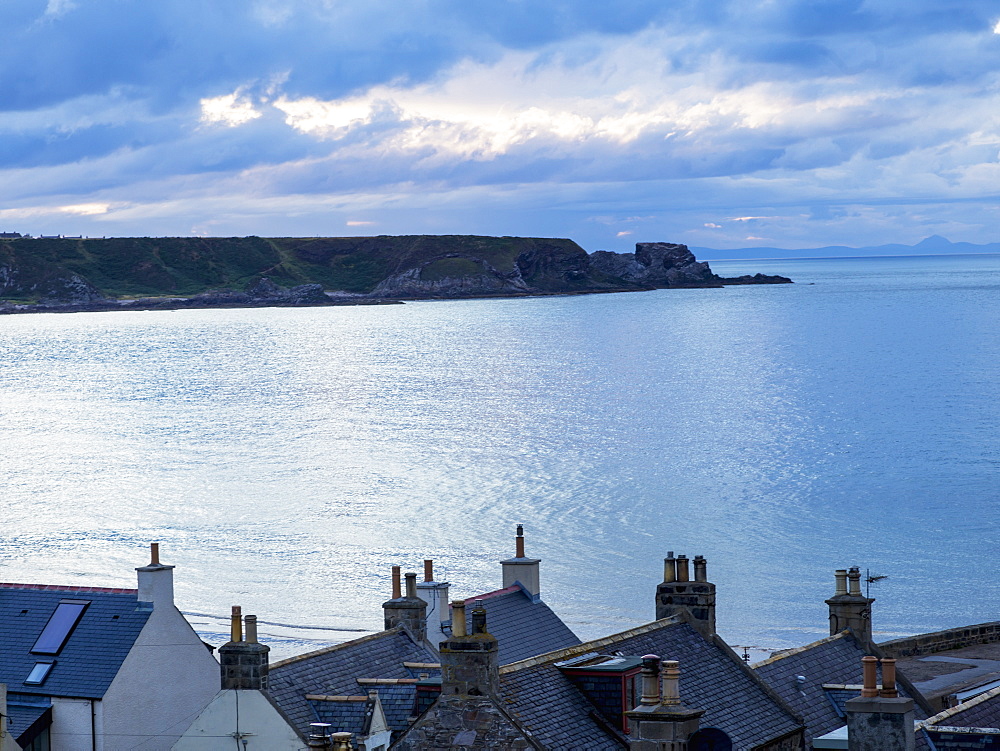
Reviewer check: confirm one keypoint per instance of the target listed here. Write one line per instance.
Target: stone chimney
(678, 592)
(156, 581)
(879, 719)
(849, 608)
(435, 594)
(661, 722)
(468, 712)
(522, 570)
(469, 664)
(406, 610)
(243, 661)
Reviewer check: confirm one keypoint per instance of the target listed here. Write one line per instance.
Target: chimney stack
(677, 592)
(244, 663)
(879, 720)
(522, 570)
(408, 611)
(661, 722)
(849, 608)
(435, 594)
(156, 581)
(469, 664)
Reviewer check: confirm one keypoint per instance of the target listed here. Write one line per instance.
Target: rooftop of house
(979, 713)
(817, 679)
(66, 641)
(335, 671)
(523, 627)
(558, 712)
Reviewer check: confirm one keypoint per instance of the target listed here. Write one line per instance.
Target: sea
(286, 459)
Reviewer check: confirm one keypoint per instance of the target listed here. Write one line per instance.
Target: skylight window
(59, 627)
(39, 673)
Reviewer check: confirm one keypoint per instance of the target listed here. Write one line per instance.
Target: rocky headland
(84, 274)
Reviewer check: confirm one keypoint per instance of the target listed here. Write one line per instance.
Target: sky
(786, 123)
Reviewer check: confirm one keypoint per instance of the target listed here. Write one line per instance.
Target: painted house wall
(234, 718)
(71, 724)
(167, 678)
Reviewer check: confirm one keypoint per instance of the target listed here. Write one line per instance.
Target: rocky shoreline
(456, 271)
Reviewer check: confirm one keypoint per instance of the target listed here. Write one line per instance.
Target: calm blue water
(285, 459)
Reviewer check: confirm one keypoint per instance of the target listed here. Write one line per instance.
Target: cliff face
(656, 265)
(312, 271)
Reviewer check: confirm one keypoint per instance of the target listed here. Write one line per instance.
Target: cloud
(574, 109)
(229, 109)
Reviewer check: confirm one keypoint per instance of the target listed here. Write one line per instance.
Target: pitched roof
(522, 626)
(347, 714)
(824, 664)
(94, 651)
(335, 671)
(713, 678)
(983, 711)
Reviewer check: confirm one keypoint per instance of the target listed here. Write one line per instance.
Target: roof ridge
(69, 588)
(952, 711)
(335, 647)
(589, 646)
(495, 593)
(799, 650)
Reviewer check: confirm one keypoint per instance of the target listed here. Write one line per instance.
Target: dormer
(610, 682)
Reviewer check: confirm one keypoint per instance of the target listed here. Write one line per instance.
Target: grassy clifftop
(189, 265)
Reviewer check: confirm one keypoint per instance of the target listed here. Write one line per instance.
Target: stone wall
(941, 641)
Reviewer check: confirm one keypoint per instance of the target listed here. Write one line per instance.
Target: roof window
(39, 673)
(60, 626)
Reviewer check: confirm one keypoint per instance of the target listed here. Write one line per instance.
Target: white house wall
(168, 677)
(72, 723)
(246, 717)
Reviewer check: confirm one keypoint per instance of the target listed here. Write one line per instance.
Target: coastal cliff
(144, 273)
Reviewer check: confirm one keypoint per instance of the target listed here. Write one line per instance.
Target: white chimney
(156, 581)
(435, 594)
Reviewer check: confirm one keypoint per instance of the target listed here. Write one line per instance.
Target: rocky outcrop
(657, 265)
(668, 265)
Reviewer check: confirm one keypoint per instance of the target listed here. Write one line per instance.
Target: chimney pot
(669, 568)
(700, 569)
(670, 675)
(154, 554)
(683, 573)
(854, 575)
(458, 618)
(251, 628)
(870, 688)
(411, 585)
(478, 618)
(236, 624)
(841, 576)
(519, 542)
(650, 680)
(888, 679)
(428, 571)
(397, 590)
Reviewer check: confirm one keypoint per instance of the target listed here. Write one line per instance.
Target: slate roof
(833, 661)
(95, 650)
(20, 718)
(713, 678)
(346, 716)
(334, 671)
(523, 628)
(983, 711)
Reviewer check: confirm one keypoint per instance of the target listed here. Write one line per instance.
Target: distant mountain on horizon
(933, 245)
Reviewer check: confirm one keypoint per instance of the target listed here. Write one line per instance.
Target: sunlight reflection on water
(286, 458)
